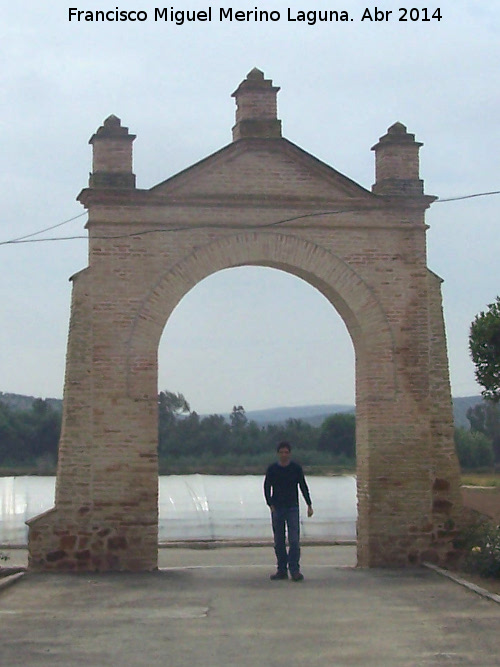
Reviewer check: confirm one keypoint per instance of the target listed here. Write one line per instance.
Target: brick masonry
(262, 201)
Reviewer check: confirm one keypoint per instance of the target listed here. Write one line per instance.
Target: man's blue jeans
(286, 517)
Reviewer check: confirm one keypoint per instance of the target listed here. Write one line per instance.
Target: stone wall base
(435, 545)
(62, 544)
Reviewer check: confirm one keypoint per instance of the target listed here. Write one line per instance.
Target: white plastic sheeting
(202, 507)
(223, 507)
(20, 499)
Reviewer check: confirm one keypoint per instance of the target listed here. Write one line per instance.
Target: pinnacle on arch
(255, 74)
(256, 108)
(112, 128)
(112, 121)
(397, 134)
(112, 156)
(397, 128)
(397, 164)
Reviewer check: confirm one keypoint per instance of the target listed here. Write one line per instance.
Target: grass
(184, 468)
(18, 471)
(246, 469)
(490, 479)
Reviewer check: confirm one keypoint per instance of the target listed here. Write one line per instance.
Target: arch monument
(261, 200)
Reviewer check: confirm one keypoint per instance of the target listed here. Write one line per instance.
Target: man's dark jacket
(281, 485)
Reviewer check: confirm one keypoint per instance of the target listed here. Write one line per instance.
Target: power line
(47, 229)
(28, 237)
(479, 194)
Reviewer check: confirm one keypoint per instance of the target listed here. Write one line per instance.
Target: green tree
(213, 443)
(255, 439)
(241, 440)
(338, 435)
(484, 346)
(484, 418)
(46, 428)
(170, 407)
(214, 435)
(238, 418)
(27, 436)
(474, 449)
(187, 435)
(300, 434)
(11, 443)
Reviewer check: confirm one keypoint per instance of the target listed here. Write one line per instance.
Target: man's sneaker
(278, 576)
(297, 576)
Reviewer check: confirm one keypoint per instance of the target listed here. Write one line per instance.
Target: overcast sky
(251, 336)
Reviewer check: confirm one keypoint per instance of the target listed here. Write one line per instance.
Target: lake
(200, 507)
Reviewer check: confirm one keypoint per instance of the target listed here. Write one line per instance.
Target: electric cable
(28, 237)
(478, 194)
(47, 229)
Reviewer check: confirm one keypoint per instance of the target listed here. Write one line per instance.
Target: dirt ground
(483, 499)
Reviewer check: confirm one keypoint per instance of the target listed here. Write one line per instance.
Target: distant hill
(316, 414)
(313, 414)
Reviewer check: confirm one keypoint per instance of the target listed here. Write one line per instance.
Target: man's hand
(310, 511)
(271, 507)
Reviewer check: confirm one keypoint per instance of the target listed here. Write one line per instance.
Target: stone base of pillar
(412, 548)
(58, 543)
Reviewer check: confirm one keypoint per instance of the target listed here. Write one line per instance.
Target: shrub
(481, 546)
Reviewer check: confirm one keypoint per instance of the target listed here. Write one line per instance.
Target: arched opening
(257, 338)
(339, 283)
(236, 336)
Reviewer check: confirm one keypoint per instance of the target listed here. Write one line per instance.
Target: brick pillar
(106, 506)
(256, 108)
(447, 500)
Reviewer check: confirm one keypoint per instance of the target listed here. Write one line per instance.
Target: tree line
(188, 442)
(214, 443)
(29, 437)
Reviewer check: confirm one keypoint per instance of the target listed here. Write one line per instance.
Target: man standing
(281, 493)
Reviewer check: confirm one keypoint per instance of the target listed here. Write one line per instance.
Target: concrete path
(218, 608)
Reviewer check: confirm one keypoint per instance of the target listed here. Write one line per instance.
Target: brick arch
(341, 285)
(365, 251)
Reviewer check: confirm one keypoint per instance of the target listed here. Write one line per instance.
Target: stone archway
(260, 200)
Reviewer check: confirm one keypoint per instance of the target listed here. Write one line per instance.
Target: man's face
(284, 456)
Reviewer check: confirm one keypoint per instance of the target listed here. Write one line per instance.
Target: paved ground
(218, 608)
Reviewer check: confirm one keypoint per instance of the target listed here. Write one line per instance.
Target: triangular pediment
(264, 169)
